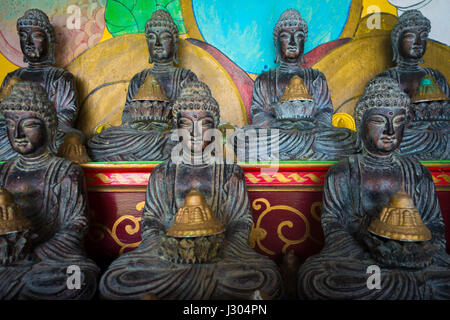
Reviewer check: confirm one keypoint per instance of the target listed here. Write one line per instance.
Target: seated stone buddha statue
(195, 223)
(50, 193)
(37, 41)
(302, 118)
(379, 209)
(142, 121)
(162, 40)
(144, 133)
(427, 135)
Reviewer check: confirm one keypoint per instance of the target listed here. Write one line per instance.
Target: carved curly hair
(195, 95)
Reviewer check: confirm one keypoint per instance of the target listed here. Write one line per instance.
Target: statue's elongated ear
(277, 52)
(175, 55)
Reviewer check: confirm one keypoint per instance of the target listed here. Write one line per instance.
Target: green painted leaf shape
(130, 16)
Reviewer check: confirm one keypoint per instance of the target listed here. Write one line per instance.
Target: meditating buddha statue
(145, 137)
(427, 135)
(169, 263)
(50, 193)
(303, 121)
(144, 133)
(379, 209)
(162, 40)
(37, 41)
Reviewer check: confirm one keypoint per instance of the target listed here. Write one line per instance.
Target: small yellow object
(400, 220)
(101, 127)
(428, 90)
(343, 120)
(13, 219)
(151, 90)
(5, 91)
(296, 90)
(195, 218)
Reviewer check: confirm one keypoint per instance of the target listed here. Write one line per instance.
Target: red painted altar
(285, 201)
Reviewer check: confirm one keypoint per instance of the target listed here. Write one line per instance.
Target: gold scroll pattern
(258, 234)
(445, 177)
(132, 228)
(281, 178)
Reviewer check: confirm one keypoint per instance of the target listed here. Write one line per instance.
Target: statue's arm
(6, 79)
(427, 203)
(442, 82)
(261, 110)
(322, 98)
(155, 206)
(236, 211)
(69, 203)
(337, 212)
(66, 100)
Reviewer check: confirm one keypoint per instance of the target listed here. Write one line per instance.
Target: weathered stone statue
(50, 193)
(230, 268)
(427, 135)
(145, 137)
(37, 41)
(372, 189)
(145, 130)
(305, 130)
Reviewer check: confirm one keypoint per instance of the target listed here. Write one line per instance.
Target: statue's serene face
(161, 44)
(413, 43)
(34, 43)
(27, 133)
(196, 122)
(382, 129)
(291, 43)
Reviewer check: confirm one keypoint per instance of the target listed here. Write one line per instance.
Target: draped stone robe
(427, 139)
(317, 141)
(58, 212)
(236, 276)
(339, 271)
(60, 87)
(123, 143)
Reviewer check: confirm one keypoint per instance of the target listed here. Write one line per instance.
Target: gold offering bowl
(13, 219)
(195, 218)
(196, 236)
(400, 220)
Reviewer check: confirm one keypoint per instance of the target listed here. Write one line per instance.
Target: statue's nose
(292, 41)
(389, 130)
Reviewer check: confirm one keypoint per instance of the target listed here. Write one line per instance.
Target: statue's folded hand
(13, 247)
(396, 253)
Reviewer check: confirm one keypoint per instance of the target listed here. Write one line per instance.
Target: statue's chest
(193, 177)
(33, 76)
(27, 189)
(410, 81)
(377, 186)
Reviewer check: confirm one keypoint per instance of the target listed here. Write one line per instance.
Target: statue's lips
(388, 140)
(21, 143)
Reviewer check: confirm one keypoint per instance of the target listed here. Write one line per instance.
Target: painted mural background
(236, 35)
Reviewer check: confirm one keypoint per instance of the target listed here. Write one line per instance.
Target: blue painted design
(242, 30)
